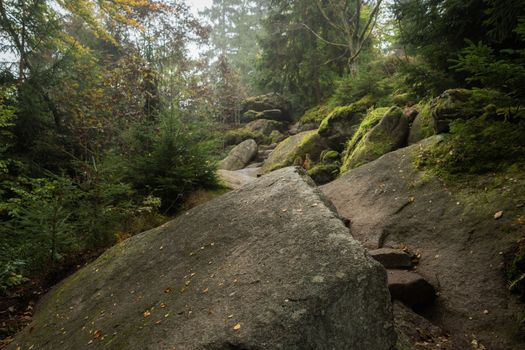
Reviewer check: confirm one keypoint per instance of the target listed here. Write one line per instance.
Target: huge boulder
(240, 156)
(269, 266)
(295, 150)
(388, 135)
(452, 227)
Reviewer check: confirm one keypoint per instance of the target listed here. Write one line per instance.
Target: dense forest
(115, 114)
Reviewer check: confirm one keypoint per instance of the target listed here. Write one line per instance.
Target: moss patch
(236, 136)
(329, 155)
(315, 114)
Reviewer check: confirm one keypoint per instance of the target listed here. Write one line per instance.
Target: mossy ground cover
(477, 146)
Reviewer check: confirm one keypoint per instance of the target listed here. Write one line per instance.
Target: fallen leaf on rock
(498, 215)
(237, 327)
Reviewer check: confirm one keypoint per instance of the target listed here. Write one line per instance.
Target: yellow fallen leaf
(237, 327)
(147, 314)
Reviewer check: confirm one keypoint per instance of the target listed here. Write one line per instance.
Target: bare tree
(354, 20)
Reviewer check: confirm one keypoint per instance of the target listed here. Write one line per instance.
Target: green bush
(477, 146)
(168, 162)
(420, 79)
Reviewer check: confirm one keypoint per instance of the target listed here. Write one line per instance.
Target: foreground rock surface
(240, 156)
(269, 266)
(392, 203)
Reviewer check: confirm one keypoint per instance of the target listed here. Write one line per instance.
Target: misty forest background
(110, 124)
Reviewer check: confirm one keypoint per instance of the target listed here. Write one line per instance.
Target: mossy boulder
(266, 102)
(423, 126)
(372, 118)
(268, 266)
(236, 136)
(295, 148)
(265, 126)
(463, 104)
(388, 135)
(342, 123)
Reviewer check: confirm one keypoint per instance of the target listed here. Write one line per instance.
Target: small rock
(392, 258)
(498, 215)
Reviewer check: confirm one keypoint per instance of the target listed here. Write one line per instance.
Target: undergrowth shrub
(477, 146)
(168, 162)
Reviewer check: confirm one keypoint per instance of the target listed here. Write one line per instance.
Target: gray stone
(392, 258)
(240, 156)
(391, 202)
(252, 269)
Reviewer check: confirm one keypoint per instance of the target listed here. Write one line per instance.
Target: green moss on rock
(423, 125)
(342, 123)
(236, 136)
(372, 118)
(329, 155)
(388, 135)
(315, 114)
